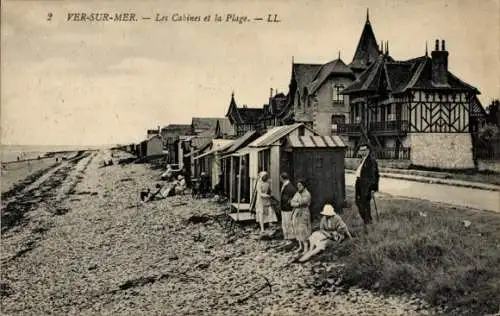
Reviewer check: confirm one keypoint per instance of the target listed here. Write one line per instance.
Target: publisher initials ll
(272, 18)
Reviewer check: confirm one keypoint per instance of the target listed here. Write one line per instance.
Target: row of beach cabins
(233, 163)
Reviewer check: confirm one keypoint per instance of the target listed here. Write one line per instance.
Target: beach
(77, 241)
(86, 246)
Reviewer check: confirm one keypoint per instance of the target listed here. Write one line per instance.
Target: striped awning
(315, 141)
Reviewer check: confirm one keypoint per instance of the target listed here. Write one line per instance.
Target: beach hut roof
(274, 134)
(240, 142)
(218, 145)
(315, 141)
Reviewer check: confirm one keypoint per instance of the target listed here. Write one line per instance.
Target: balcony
(387, 128)
(349, 129)
(396, 127)
(390, 153)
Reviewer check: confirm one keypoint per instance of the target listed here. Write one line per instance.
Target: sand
(89, 248)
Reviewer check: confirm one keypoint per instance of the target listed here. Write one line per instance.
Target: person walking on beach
(367, 179)
(264, 213)
(301, 216)
(288, 191)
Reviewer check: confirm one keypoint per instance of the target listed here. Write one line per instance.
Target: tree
(493, 113)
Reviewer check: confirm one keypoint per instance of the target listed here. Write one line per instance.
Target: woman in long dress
(264, 212)
(301, 216)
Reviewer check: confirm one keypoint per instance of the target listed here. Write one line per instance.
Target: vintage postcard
(250, 157)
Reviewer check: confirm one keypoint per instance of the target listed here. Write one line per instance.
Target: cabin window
(336, 120)
(302, 131)
(264, 160)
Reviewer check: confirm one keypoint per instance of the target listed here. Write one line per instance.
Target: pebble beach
(84, 245)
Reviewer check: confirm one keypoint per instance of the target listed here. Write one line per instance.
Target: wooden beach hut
(300, 152)
(227, 158)
(154, 146)
(210, 160)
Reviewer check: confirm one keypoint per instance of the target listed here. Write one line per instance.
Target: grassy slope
(435, 257)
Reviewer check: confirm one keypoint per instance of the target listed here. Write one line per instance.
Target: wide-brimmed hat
(263, 173)
(328, 210)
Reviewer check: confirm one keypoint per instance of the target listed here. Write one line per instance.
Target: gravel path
(108, 255)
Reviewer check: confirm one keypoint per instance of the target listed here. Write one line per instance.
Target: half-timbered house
(414, 109)
(243, 119)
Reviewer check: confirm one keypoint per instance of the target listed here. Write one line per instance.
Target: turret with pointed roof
(367, 50)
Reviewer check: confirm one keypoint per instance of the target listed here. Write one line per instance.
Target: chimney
(271, 93)
(439, 65)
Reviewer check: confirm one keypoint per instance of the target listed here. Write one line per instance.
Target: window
(264, 160)
(337, 96)
(302, 131)
(305, 97)
(336, 120)
(390, 115)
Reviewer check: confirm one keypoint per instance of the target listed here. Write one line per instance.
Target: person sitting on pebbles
(147, 196)
(331, 229)
(168, 174)
(180, 186)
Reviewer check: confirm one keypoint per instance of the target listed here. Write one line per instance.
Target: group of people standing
(293, 212)
(293, 209)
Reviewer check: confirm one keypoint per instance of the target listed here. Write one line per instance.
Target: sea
(11, 153)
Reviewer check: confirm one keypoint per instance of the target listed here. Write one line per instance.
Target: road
(458, 196)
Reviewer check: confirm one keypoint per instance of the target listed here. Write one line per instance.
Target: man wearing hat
(367, 178)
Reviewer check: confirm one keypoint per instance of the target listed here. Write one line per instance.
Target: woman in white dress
(264, 213)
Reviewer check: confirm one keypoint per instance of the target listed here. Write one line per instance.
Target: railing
(487, 154)
(348, 128)
(396, 126)
(387, 127)
(403, 153)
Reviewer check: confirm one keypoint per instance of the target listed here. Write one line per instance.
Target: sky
(91, 83)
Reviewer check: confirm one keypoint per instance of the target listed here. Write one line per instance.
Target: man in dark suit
(367, 178)
(287, 193)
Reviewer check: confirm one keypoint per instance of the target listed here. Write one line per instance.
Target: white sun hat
(328, 210)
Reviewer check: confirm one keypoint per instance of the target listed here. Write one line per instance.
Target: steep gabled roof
(401, 76)
(224, 128)
(422, 79)
(335, 67)
(250, 115)
(367, 50)
(304, 74)
(242, 115)
(369, 80)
